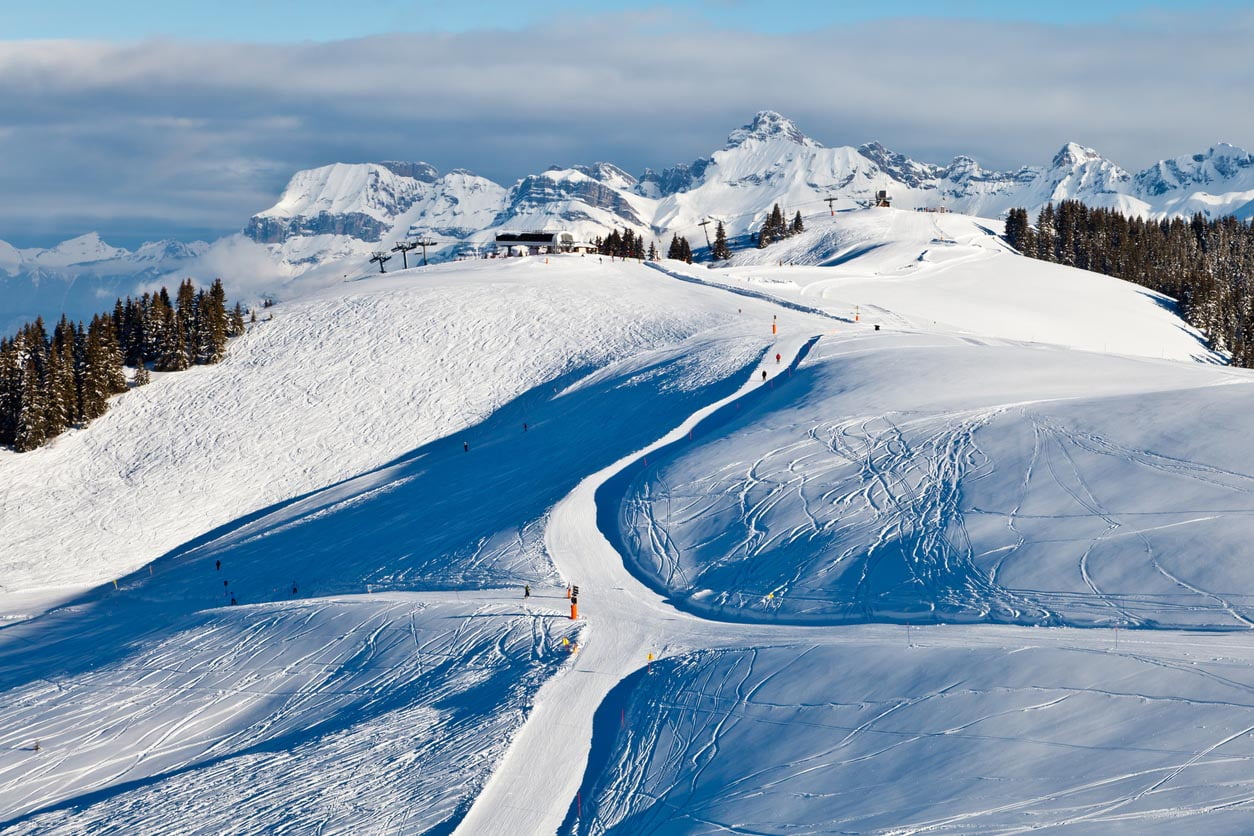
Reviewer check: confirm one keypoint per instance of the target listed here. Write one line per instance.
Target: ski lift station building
(537, 243)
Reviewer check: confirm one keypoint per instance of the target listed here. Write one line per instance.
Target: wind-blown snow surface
(382, 672)
(925, 477)
(333, 387)
(368, 714)
(964, 731)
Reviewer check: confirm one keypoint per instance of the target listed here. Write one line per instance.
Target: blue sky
(283, 21)
(144, 120)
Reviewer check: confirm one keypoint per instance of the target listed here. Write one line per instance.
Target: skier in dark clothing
(233, 600)
(526, 590)
(466, 446)
(764, 375)
(217, 564)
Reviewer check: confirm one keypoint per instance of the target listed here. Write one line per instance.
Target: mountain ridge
(345, 211)
(765, 161)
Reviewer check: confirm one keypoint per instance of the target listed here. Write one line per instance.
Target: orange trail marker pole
(574, 610)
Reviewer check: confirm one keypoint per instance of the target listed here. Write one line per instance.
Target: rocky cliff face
(271, 230)
(571, 187)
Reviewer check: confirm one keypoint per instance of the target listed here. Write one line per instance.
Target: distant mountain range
(344, 211)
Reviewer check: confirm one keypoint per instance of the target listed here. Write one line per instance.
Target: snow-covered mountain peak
(1073, 154)
(167, 250)
(962, 167)
(768, 125)
(607, 173)
(1080, 173)
(84, 248)
(345, 187)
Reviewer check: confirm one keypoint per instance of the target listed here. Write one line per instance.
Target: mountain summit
(766, 126)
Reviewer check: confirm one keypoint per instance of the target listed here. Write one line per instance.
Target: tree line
(680, 249)
(1208, 265)
(627, 244)
(775, 228)
(49, 384)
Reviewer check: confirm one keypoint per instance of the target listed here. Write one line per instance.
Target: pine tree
(111, 354)
(237, 322)
(214, 324)
(720, 251)
(158, 325)
(173, 356)
(132, 336)
(32, 428)
(1017, 229)
(1045, 235)
(142, 377)
(10, 390)
(675, 250)
(62, 388)
(798, 226)
(773, 228)
(188, 318)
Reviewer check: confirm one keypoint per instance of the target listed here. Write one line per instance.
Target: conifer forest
(49, 383)
(1208, 265)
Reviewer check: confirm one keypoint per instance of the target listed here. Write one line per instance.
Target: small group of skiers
(217, 566)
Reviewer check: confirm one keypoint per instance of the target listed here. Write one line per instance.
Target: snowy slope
(952, 272)
(333, 387)
(962, 732)
(296, 688)
(383, 666)
(923, 477)
(246, 719)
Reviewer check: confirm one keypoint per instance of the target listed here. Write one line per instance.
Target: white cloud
(163, 136)
(246, 268)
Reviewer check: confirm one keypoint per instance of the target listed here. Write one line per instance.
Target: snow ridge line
(751, 294)
(543, 769)
(611, 493)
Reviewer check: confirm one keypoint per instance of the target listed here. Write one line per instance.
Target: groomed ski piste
(980, 569)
